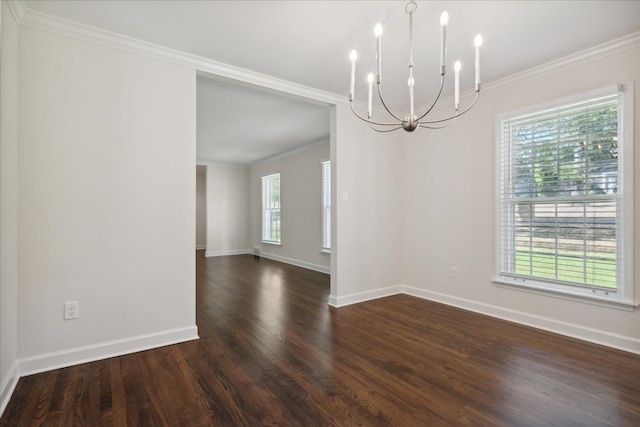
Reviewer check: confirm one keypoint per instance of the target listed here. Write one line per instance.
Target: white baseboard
(363, 296)
(596, 336)
(200, 247)
(7, 386)
(231, 252)
(298, 263)
(75, 356)
(333, 301)
(90, 353)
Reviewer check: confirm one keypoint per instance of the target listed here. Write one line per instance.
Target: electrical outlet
(453, 273)
(71, 310)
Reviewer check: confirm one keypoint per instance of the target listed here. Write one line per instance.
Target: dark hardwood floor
(272, 352)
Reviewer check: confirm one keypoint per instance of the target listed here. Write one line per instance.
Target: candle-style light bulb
(478, 42)
(378, 33)
(378, 30)
(354, 57)
(456, 69)
(370, 80)
(444, 20)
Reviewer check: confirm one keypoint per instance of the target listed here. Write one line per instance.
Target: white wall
(301, 207)
(106, 167)
(227, 209)
(450, 215)
(106, 204)
(201, 207)
(8, 205)
(368, 243)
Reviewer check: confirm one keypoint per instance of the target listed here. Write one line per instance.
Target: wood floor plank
(272, 352)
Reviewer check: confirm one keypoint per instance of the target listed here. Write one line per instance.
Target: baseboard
(200, 247)
(363, 296)
(595, 336)
(231, 252)
(333, 301)
(62, 359)
(298, 263)
(8, 386)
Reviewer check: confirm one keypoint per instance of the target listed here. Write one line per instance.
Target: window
(565, 197)
(326, 206)
(271, 209)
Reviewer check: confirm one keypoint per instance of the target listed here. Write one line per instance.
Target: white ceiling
(242, 125)
(308, 42)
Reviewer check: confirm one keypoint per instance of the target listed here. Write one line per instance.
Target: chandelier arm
(452, 119)
(435, 101)
(367, 120)
(457, 114)
(385, 105)
(386, 130)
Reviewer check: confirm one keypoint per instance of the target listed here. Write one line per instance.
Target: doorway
(246, 132)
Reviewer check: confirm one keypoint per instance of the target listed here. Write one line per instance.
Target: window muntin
(271, 215)
(326, 206)
(561, 208)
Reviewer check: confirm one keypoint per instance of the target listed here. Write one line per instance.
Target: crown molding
(18, 9)
(201, 162)
(45, 22)
(311, 146)
(594, 53)
(23, 15)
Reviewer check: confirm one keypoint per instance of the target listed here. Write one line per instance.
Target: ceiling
(242, 125)
(308, 42)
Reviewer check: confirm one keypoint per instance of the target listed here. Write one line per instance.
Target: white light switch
(345, 197)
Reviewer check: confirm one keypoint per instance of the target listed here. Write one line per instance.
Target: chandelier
(412, 121)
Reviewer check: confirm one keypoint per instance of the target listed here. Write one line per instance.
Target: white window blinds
(560, 195)
(271, 208)
(326, 205)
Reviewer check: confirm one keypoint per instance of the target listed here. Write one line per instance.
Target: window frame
(622, 297)
(267, 235)
(326, 206)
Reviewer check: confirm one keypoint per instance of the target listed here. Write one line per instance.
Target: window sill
(566, 295)
(267, 242)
